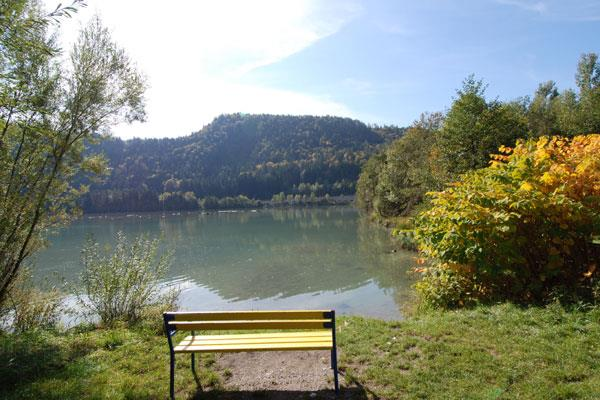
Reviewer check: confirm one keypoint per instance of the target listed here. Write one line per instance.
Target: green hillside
(256, 156)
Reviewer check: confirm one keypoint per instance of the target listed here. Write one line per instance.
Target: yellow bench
(303, 330)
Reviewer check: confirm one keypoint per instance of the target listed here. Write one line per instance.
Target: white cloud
(195, 52)
(176, 118)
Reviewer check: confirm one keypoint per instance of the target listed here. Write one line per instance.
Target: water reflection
(283, 258)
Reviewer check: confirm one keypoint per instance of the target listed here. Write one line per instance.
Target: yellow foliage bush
(521, 229)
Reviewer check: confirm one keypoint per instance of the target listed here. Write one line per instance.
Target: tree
(406, 175)
(578, 112)
(543, 110)
(588, 82)
(474, 128)
(588, 73)
(367, 182)
(49, 112)
(394, 181)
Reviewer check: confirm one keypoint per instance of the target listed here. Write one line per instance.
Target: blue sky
(382, 62)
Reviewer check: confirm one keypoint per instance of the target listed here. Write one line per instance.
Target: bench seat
(277, 341)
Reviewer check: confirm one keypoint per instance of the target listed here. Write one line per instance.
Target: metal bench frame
(244, 320)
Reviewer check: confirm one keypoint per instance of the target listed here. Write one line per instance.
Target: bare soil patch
(281, 370)
(278, 375)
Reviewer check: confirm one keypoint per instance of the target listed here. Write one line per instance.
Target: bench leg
(193, 363)
(172, 377)
(335, 370)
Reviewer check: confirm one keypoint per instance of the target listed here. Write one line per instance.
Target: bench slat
(198, 340)
(321, 332)
(326, 345)
(250, 315)
(252, 324)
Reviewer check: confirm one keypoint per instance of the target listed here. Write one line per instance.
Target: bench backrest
(242, 320)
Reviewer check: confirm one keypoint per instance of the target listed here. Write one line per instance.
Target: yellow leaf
(547, 178)
(526, 186)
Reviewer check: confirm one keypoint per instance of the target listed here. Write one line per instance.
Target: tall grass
(28, 307)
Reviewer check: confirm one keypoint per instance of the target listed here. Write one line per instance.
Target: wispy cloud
(535, 6)
(559, 10)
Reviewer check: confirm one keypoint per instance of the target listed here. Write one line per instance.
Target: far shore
(333, 201)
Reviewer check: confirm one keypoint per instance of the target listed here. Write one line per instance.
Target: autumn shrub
(521, 229)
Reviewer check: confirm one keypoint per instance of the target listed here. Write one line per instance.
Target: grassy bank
(500, 352)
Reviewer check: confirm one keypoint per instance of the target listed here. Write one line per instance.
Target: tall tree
(49, 111)
(542, 112)
(474, 128)
(588, 82)
(395, 180)
(578, 112)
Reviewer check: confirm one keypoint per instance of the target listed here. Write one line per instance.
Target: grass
(94, 364)
(500, 352)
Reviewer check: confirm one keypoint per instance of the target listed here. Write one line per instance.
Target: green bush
(124, 284)
(519, 230)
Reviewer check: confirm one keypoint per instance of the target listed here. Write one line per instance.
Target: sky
(379, 61)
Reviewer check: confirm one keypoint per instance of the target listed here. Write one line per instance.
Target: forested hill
(256, 156)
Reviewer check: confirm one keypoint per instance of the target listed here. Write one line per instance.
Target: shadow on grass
(345, 393)
(28, 357)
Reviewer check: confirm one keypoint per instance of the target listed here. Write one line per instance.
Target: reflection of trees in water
(309, 218)
(299, 218)
(285, 271)
(288, 252)
(388, 266)
(327, 250)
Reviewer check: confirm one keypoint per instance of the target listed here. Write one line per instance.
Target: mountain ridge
(254, 155)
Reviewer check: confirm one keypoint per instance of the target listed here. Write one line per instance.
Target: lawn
(499, 352)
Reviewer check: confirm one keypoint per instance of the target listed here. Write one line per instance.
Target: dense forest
(238, 157)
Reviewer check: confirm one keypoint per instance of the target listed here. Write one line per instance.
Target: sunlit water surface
(266, 259)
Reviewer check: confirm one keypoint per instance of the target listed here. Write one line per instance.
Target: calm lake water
(266, 259)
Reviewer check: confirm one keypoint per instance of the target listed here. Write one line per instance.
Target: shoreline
(132, 214)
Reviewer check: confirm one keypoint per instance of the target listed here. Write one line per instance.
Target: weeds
(123, 284)
(30, 308)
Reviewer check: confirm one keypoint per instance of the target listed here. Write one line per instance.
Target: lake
(262, 259)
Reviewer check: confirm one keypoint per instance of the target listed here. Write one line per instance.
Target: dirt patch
(277, 370)
(279, 375)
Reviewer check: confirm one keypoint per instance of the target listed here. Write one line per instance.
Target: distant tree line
(256, 156)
